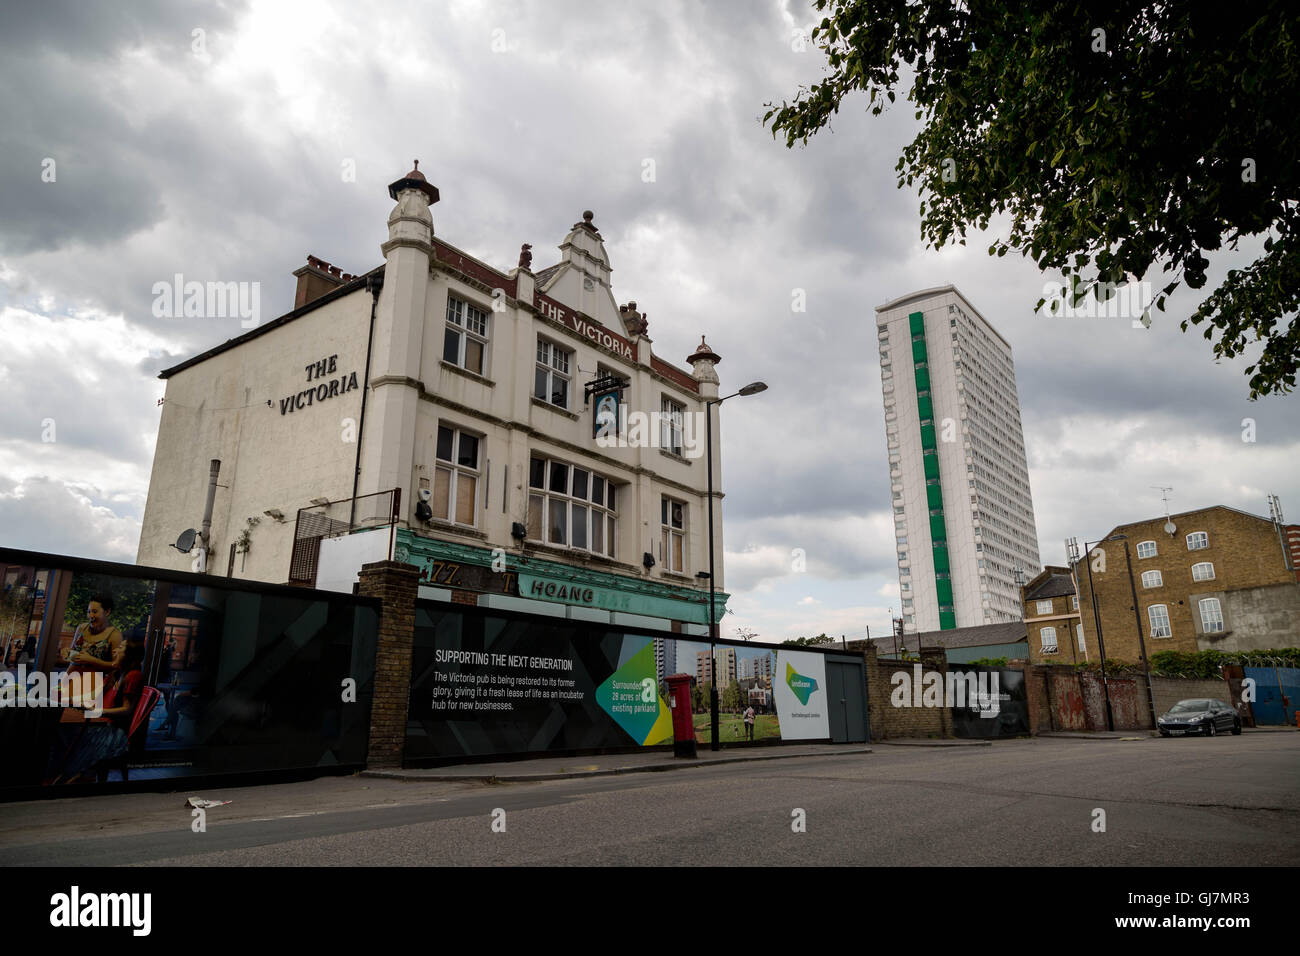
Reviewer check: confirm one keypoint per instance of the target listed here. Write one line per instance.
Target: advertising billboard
(800, 691)
(492, 682)
(113, 674)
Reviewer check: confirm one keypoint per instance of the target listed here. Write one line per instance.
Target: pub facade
(510, 433)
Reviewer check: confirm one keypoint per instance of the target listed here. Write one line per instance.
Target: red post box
(679, 698)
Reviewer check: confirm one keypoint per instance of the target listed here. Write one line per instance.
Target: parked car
(1199, 716)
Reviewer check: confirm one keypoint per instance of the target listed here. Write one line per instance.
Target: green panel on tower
(937, 530)
(931, 465)
(917, 322)
(940, 558)
(918, 351)
(947, 620)
(927, 437)
(944, 589)
(925, 407)
(922, 379)
(934, 495)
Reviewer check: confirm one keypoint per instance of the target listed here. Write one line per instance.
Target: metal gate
(846, 701)
(1277, 694)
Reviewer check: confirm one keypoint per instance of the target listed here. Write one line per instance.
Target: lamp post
(1096, 615)
(1142, 645)
(752, 389)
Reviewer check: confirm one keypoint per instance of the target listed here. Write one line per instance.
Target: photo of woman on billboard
(90, 744)
(97, 644)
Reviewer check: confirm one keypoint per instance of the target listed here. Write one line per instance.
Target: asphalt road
(1025, 802)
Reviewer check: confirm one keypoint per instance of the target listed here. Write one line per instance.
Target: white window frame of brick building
(670, 425)
(1144, 552)
(1159, 621)
(1213, 624)
(554, 364)
(1201, 575)
(1047, 639)
(456, 478)
(467, 325)
(673, 517)
(1078, 633)
(1202, 541)
(1074, 602)
(1152, 579)
(546, 501)
(1044, 607)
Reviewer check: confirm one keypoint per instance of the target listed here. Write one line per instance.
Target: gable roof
(1054, 585)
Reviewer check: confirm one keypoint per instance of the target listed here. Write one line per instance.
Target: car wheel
(1211, 729)
(1164, 733)
(1236, 727)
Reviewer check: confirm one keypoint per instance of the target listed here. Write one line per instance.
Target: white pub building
(510, 434)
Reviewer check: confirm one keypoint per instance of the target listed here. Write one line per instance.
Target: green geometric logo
(631, 697)
(802, 686)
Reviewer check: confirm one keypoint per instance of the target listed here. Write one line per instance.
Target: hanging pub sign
(608, 393)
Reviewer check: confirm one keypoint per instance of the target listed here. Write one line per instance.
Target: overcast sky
(219, 154)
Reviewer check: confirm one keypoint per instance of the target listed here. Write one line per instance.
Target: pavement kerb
(915, 742)
(420, 776)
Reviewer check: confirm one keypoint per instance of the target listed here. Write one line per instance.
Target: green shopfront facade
(502, 580)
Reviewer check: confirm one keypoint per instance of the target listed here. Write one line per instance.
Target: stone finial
(704, 354)
(414, 180)
(526, 256)
(702, 361)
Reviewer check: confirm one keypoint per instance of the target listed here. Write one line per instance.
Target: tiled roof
(545, 275)
(1057, 585)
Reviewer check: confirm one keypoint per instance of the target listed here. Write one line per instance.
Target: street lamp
(1096, 616)
(1137, 620)
(751, 389)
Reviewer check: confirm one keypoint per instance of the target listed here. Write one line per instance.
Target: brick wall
(1170, 690)
(889, 721)
(395, 585)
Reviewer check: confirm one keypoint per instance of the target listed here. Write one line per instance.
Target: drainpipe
(375, 283)
(214, 469)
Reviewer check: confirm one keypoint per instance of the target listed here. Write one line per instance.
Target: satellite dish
(185, 542)
(1170, 527)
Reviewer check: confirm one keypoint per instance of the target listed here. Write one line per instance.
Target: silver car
(1199, 716)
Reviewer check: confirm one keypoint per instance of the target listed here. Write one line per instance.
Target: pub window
(456, 476)
(672, 515)
(551, 379)
(570, 506)
(465, 338)
(670, 425)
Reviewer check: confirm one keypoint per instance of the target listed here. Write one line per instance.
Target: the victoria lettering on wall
(557, 313)
(320, 390)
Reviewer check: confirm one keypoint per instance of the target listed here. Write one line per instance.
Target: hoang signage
(319, 389)
(442, 563)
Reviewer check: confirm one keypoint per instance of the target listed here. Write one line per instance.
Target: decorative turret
(702, 361)
(410, 223)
